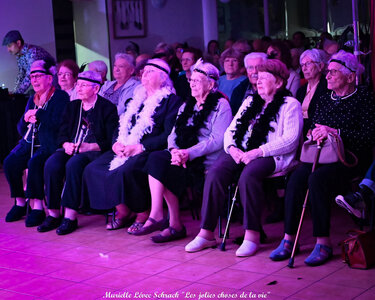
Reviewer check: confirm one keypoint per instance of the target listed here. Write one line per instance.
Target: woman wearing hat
(116, 179)
(86, 131)
(261, 140)
(39, 128)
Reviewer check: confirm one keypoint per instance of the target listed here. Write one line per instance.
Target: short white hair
(129, 58)
(46, 66)
(166, 81)
(253, 55)
(315, 55)
(350, 62)
(92, 75)
(99, 65)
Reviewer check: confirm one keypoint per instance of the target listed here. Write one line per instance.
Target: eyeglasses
(36, 76)
(333, 72)
(195, 81)
(252, 68)
(308, 64)
(84, 85)
(186, 59)
(66, 74)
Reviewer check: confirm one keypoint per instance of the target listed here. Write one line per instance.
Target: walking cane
(291, 260)
(222, 246)
(33, 129)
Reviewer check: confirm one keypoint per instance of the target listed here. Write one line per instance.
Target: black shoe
(355, 203)
(16, 213)
(67, 226)
(35, 218)
(49, 224)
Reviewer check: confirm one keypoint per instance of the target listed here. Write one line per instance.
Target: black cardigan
(104, 117)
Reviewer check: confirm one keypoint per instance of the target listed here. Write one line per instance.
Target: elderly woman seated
(39, 128)
(117, 179)
(195, 143)
(120, 90)
(100, 67)
(67, 73)
(313, 65)
(349, 112)
(86, 131)
(261, 140)
(231, 61)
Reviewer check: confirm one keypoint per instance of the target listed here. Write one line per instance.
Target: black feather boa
(187, 132)
(261, 126)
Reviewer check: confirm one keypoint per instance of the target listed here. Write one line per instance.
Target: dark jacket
(301, 93)
(164, 119)
(104, 119)
(48, 120)
(237, 96)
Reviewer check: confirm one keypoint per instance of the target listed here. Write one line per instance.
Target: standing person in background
(26, 54)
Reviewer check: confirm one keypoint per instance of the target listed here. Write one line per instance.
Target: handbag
(332, 151)
(358, 251)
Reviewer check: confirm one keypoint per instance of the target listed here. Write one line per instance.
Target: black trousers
(324, 184)
(250, 186)
(59, 166)
(16, 162)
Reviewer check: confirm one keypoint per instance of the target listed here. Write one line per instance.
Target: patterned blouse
(25, 58)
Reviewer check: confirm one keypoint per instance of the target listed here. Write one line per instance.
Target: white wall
(177, 21)
(34, 19)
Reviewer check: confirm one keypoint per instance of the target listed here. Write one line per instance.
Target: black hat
(11, 37)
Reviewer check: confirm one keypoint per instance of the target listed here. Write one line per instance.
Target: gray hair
(92, 75)
(167, 82)
(315, 55)
(47, 66)
(209, 70)
(99, 65)
(253, 55)
(130, 59)
(350, 63)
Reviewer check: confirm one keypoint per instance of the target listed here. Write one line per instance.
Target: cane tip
(222, 247)
(291, 263)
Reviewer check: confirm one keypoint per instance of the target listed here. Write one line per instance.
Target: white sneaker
(199, 244)
(248, 248)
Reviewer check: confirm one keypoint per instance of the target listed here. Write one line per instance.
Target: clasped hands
(127, 151)
(179, 157)
(320, 132)
(71, 148)
(240, 156)
(30, 116)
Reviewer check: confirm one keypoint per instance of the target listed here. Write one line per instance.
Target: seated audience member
(313, 66)
(345, 110)
(299, 41)
(86, 131)
(100, 67)
(280, 51)
(261, 140)
(195, 143)
(167, 53)
(242, 46)
(213, 53)
(140, 63)
(248, 86)
(132, 49)
(120, 90)
(330, 47)
(228, 43)
(188, 59)
(39, 128)
(357, 203)
(67, 73)
(232, 62)
(116, 179)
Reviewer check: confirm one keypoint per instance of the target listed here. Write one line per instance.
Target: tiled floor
(93, 261)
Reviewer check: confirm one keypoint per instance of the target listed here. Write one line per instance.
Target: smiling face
(122, 70)
(231, 66)
(267, 84)
(310, 69)
(152, 78)
(336, 79)
(41, 82)
(200, 85)
(65, 78)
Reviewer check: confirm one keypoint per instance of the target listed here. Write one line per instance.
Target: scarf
(141, 109)
(37, 97)
(254, 114)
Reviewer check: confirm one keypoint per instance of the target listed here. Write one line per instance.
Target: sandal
(136, 226)
(320, 255)
(118, 223)
(156, 225)
(283, 251)
(173, 235)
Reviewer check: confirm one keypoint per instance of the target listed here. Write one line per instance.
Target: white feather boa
(132, 135)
